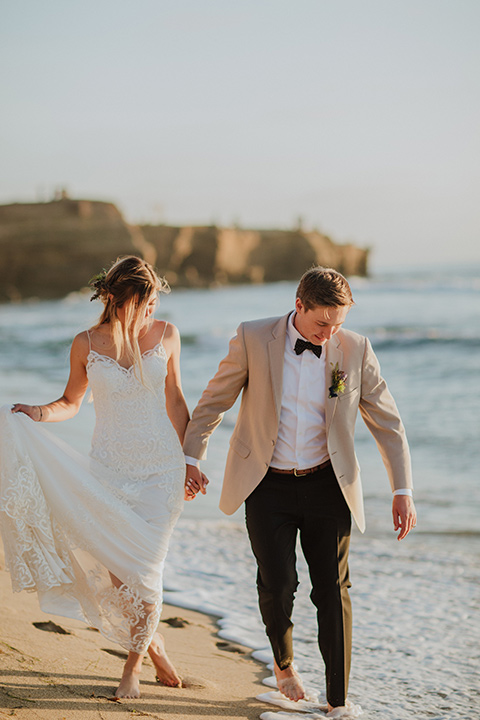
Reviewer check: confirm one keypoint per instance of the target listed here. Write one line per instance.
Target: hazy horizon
(360, 118)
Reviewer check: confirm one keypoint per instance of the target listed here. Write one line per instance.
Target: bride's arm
(177, 409)
(68, 405)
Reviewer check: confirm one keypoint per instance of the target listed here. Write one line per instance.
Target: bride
(90, 534)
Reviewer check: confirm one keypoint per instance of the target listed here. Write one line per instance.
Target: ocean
(416, 603)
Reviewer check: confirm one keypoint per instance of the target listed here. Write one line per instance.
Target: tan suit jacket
(254, 364)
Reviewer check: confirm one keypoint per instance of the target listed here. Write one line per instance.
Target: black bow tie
(302, 345)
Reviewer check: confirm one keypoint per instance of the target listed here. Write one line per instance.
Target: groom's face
(320, 323)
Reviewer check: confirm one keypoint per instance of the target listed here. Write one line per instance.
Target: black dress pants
(313, 505)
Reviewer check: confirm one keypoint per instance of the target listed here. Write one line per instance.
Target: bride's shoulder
(169, 337)
(165, 330)
(81, 344)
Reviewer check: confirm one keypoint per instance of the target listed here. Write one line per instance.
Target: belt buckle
(298, 474)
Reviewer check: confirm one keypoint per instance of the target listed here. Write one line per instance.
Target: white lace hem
(90, 553)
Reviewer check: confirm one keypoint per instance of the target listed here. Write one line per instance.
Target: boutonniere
(339, 381)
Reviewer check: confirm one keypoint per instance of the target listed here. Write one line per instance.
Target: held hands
(33, 411)
(404, 515)
(195, 481)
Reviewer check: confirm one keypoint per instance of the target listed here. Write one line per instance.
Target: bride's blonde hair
(129, 284)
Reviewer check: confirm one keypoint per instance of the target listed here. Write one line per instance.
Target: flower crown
(99, 284)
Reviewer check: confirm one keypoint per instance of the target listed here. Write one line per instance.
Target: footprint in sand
(50, 626)
(176, 622)
(116, 653)
(229, 647)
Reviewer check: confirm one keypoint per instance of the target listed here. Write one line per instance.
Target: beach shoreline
(72, 675)
(416, 644)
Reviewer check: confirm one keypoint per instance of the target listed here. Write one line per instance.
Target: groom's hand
(404, 515)
(195, 481)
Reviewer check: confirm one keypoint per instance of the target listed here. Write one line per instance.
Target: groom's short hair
(322, 286)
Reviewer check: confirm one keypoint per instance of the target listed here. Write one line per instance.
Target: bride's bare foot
(129, 685)
(165, 672)
(289, 683)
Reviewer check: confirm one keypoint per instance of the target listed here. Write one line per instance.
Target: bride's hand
(195, 481)
(189, 493)
(33, 411)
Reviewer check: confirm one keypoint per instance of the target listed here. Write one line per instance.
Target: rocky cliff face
(206, 255)
(50, 249)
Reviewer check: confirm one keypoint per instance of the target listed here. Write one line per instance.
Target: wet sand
(47, 674)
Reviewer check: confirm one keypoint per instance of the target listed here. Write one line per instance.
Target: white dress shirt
(302, 440)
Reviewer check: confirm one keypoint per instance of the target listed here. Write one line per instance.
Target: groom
(303, 380)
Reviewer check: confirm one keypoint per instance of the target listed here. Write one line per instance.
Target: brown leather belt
(300, 473)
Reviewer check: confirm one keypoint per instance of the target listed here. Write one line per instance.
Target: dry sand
(47, 675)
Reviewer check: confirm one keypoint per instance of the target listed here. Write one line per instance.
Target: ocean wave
(473, 534)
(383, 338)
(421, 591)
(429, 280)
(407, 338)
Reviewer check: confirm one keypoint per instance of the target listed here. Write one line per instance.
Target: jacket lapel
(276, 353)
(333, 355)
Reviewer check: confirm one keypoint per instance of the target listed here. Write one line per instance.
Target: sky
(361, 117)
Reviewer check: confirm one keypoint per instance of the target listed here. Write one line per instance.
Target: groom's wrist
(404, 491)
(192, 461)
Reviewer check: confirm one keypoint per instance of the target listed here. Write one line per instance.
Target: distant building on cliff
(50, 249)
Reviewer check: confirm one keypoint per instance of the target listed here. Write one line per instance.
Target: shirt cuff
(405, 491)
(192, 461)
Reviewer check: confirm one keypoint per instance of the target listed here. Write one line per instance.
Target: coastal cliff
(50, 249)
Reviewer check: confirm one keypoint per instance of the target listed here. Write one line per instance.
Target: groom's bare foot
(129, 685)
(289, 683)
(165, 672)
(339, 711)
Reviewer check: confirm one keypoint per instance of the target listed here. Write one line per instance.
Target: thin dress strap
(164, 329)
(89, 341)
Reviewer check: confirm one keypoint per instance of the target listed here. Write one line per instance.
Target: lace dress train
(90, 534)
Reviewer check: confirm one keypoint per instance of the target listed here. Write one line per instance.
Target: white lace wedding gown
(69, 522)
